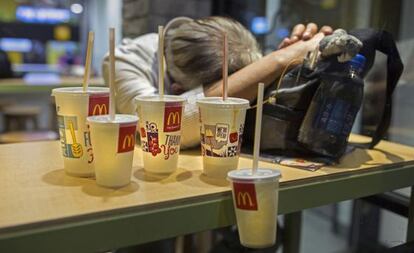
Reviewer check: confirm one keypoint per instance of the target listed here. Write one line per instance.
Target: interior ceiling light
(76, 8)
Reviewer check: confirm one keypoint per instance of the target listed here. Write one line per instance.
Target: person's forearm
(243, 83)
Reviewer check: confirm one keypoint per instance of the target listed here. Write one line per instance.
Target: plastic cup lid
(260, 175)
(119, 118)
(78, 91)
(158, 99)
(218, 102)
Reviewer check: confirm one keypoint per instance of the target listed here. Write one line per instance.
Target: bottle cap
(358, 61)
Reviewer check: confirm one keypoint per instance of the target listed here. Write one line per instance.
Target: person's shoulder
(149, 40)
(148, 37)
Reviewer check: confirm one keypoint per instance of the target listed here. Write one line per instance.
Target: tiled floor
(317, 235)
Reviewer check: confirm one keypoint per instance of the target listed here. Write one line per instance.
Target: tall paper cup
(255, 199)
(72, 107)
(160, 130)
(221, 131)
(113, 143)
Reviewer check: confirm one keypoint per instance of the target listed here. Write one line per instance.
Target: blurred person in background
(5, 65)
(194, 58)
(68, 61)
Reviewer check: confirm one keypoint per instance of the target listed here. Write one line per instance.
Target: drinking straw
(258, 127)
(161, 60)
(88, 61)
(112, 73)
(225, 66)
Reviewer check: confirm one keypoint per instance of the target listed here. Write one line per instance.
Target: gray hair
(194, 53)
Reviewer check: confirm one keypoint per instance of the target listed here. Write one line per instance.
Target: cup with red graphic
(255, 199)
(73, 105)
(113, 147)
(160, 130)
(221, 131)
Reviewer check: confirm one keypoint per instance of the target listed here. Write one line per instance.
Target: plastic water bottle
(328, 121)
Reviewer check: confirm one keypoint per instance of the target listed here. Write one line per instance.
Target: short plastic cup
(160, 131)
(113, 143)
(72, 107)
(255, 199)
(221, 131)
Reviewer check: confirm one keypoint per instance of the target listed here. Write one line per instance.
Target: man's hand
(302, 32)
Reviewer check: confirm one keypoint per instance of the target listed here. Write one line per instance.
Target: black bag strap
(394, 70)
(384, 42)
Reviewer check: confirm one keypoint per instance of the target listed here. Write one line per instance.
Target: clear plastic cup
(160, 131)
(114, 143)
(255, 199)
(72, 107)
(221, 131)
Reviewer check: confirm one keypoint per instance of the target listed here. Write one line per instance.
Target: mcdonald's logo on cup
(245, 196)
(172, 117)
(100, 109)
(98, 104)
(126, 138)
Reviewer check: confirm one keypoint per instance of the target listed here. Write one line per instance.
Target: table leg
(292, 232)
(410, 227)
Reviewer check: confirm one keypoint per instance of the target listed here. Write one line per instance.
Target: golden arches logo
(100, 108)
(175, 117)
(243, 197)
(128, 141)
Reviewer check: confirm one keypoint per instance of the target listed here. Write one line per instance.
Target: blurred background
(43, 42)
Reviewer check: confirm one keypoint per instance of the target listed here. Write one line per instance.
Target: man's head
(194, 50)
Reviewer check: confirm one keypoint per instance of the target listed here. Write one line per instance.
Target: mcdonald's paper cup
(72, 107)
(221, 131)
(255, 199)
(113, 147)
(160, 130)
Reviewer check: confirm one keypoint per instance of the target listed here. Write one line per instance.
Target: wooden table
(44, 210)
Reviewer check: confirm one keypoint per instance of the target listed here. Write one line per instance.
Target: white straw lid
(218, 102)
(260, 175)
(78, 91)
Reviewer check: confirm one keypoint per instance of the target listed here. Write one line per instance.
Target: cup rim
(157, 99)
(230, 102)
(78, 91)
(245, 175)
(97, 119)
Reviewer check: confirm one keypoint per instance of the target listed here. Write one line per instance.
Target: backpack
(281, 121)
